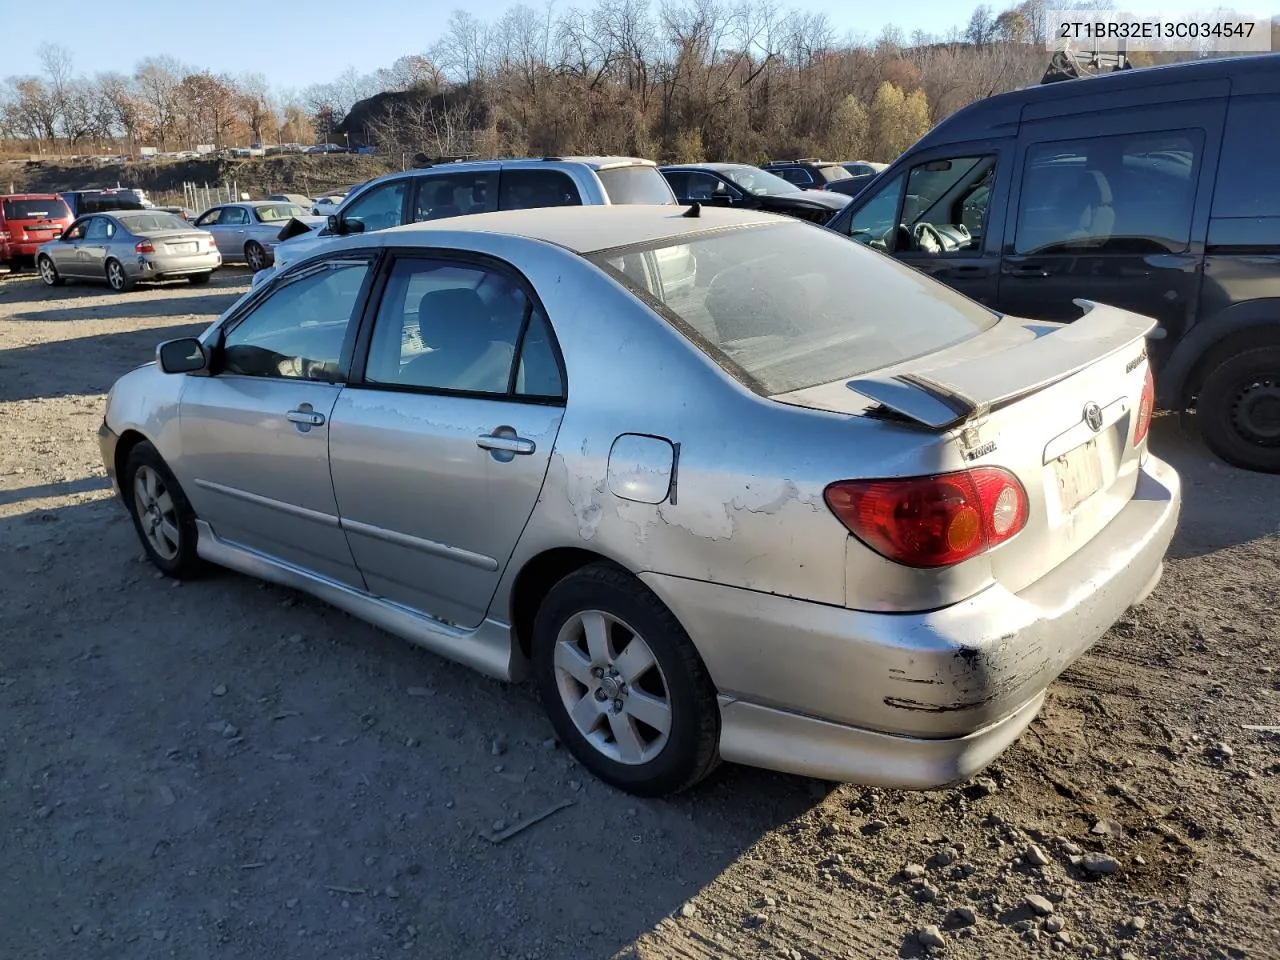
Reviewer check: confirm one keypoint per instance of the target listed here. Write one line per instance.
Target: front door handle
(1029, 271)
(309, 417)
(505, 444)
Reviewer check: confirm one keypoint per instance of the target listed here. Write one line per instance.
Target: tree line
(678, 80)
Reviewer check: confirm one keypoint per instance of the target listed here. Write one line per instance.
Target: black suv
(1153, 190)
(104, 201)
(749, 188)
(808, 174)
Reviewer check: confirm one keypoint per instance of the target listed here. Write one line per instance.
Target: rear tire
(607, 719)
(255, 256)
(199, 279)
(117, 279)
(162, 515)
(1238, 409)
(49, 273)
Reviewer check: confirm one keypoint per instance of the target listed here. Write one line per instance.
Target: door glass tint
(945, 208)
(379, 209)
(1129, 194)
(453, 195)
(1246, 184)
(299, 330)
(458, 327)
(528, 189)
(97, 229)
(874, 222)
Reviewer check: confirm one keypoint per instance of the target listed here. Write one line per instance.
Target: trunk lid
(179, 242)
(1056, 404)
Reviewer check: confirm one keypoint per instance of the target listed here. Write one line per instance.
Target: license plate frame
(187, 246)
(1078, 475)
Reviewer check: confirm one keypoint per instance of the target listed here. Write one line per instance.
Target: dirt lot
(228, 769)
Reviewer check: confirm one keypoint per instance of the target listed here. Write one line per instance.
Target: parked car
(28, 220)
(850, 187)
(863, 168)
(248, 232)
(808, 174)
(896, 517)
(1033, 199)
(299, 199)
(328, 204)
(84, 202)
(748, 187)
(455, 188)
(126, 246)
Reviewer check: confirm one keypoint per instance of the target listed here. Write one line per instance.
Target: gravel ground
(230, 769)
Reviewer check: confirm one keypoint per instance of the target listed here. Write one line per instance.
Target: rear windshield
(833, 172)
(789, 306)
(54, 209)
(102, 203)
(638, 184)
(154, 221)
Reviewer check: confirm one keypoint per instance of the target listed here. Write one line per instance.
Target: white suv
(480, 186)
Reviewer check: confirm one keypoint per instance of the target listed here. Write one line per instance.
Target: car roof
(984, 118)
(720, 167)
(30, 196)
(594, 163)
(586, 229)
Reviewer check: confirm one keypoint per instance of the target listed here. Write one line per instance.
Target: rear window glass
(638, 184)
(99, 203)
(53, 209)
(154, 221)
(833, 172)
(797, 306)
(1246, 186)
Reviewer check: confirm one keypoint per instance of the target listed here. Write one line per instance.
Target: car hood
(816, 198)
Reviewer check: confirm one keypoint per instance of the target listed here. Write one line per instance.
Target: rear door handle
(1029, 271)
(309, 417)
(518, 445)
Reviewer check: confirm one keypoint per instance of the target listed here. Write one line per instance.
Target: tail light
(212, 241)
(934, 521)
(144, 246)
(1146, 407)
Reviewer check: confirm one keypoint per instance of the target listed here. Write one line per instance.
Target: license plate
(184, 247)
(1078, 474)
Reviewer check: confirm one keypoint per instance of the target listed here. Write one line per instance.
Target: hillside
(310, 174)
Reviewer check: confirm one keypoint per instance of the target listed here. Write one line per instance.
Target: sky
(295, 43)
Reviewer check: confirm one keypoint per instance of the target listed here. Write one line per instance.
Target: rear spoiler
(947, 394)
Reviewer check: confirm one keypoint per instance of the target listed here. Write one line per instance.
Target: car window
(1132, 193)
(456, 327)
(528, 189)
(796, 175)
(446, 195)
(635, 184)
(785, 306)
(50, 209)
(210, 218)
(76, 231)
(951, 196)
(874, 222)
(97, 229)
(377, 209)
(278, 212)
(703, 186)
(1246, 186)
(234, 216)
(299, 330)
(832, 173)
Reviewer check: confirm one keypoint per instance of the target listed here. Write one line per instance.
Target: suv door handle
(518, 445)
(309, 417)
(1029, 271)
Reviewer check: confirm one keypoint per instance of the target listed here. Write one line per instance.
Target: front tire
(1238, 409)
(49, 273)
(623, 684)
(255, 256)
(117, 279)
(162, 516)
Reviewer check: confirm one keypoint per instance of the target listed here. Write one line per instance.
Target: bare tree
(158, 80)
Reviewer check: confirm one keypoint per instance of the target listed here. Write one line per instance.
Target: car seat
(466, 350)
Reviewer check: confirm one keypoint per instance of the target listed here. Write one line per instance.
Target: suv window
(1131, 193)
(525, 189)
(832, 172)
(1246, 187)
(460, 327)
(797, 175)
(873, 224)
(299, 330)
(635, 184)
(453, 195)
(54, 209)
(379, 208)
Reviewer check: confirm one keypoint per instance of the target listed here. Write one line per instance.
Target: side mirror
(187, 355)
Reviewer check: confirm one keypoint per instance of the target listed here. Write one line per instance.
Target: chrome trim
(489, 648)
(293, 510)
(793, 743)
(1083, 431)
(478, 560)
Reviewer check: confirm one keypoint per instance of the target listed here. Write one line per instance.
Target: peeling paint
(586, 499)
(904, 703)
(711, 521)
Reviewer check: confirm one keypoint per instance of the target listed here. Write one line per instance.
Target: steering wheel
(928, 239)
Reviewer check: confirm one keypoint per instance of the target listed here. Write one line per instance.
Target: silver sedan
(248, 232)
(800, 507)
(126, 246)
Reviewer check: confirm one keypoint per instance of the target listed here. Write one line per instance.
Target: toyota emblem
(1093, 416)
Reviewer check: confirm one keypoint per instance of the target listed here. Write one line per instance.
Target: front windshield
(154, 221)
(279, 212)
(789, 306)
(759, 183)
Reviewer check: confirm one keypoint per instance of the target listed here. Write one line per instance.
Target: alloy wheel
(156, 514)
(47, 273)
(115, 276)
(612, 688)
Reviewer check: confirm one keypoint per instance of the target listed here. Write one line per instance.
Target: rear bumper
(155, 267)
(947, 688)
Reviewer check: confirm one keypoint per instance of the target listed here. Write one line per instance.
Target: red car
(28, 220)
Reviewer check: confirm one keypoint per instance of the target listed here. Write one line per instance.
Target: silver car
(125, 246)
(248, 232)
(803, 508)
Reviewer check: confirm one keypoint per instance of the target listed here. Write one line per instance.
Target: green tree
(849, 127)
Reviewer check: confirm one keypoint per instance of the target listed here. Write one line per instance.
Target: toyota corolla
(724, 484)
